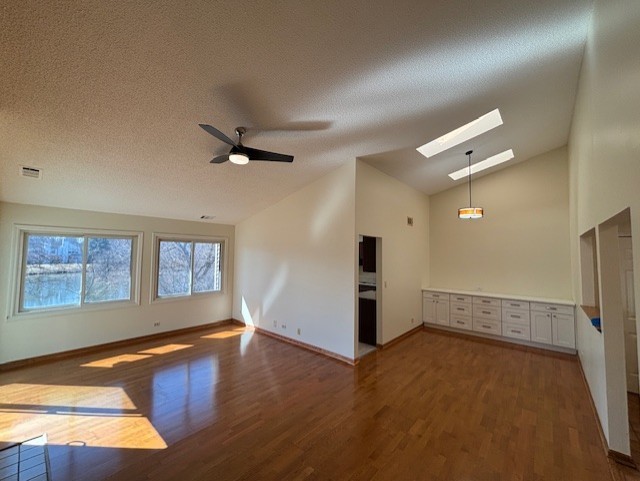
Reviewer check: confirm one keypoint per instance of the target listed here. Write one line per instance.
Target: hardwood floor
(230, 404)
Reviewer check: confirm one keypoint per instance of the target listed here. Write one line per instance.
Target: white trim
(18, 267)
(155, 244)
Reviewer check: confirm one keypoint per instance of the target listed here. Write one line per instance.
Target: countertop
(367, 295)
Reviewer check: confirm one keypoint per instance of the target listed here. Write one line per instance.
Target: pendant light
(470, 212)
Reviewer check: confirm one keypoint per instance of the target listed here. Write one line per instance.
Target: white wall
(24, 337)
(604, 160)
(295, 265)
(521, 246)
(382, 207)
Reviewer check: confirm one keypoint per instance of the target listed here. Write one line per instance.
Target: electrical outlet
(275, 323)
(299, 331)
(412, 320)
(156, 324)
(284, 326)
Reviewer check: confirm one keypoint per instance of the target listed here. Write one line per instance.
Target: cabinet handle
(486, 327)
(553, 308)
(486, 312)
(513, 316)
(517, 332)
(485, 301)
(459, 322)
(460, 308)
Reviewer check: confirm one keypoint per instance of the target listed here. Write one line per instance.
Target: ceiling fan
(240, 154)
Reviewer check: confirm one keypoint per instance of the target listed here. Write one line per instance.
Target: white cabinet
(460, 312)
(563, 330)
(532, 322)
(435, 308)
(541, 327)
(516, 320)
(487, 315)
(553, 324)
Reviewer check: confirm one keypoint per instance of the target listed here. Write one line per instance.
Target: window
(185, 267)
(66, 268)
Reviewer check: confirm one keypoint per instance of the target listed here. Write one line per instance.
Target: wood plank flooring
(230, 404)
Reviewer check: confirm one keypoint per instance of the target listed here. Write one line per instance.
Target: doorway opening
(618, 314)
(630, 333)
(369, 294)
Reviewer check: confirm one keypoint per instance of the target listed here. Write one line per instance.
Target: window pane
(174, 268)
(53, 271)
(206, 264)
(108, 276)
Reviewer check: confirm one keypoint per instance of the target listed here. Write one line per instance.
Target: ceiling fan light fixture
(239, 158)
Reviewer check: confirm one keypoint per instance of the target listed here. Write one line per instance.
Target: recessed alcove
(589, 272)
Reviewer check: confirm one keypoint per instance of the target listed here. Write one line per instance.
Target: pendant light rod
(468, 154)
(470, 212)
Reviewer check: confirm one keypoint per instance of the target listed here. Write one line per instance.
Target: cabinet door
(442, 312)
(541, 327)
(429, 310)
(367, 322)
(564, 334)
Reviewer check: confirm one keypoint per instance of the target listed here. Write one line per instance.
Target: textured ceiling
(106, 98)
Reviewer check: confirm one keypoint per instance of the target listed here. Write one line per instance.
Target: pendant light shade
(470, 212)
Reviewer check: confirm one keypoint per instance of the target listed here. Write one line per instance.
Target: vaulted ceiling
(106, 99)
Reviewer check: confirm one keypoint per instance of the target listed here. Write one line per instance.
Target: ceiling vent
(31, 172)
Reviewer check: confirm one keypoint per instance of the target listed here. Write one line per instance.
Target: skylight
(483, 164)
(468, 131)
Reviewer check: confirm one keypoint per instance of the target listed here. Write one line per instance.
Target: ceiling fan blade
(217, 134)
(220, 159)
(256, 154)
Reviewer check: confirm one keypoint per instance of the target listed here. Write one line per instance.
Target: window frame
(193, 239)
(21, 234)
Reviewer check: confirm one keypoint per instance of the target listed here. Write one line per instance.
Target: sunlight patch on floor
(225, 334)
(92, 416)
(166, 349)
(125, 432)
(71, 397)
(115, 360)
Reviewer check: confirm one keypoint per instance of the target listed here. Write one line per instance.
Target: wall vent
(31, 172)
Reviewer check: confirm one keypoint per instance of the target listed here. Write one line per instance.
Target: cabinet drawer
(460, 298)
(460, 308)
(486, 312)
(435, 295)
(487, 326)
(553, 308)
(486, 301)
(461, 322)
(515, 316)
(515, 304)
(516, 331)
